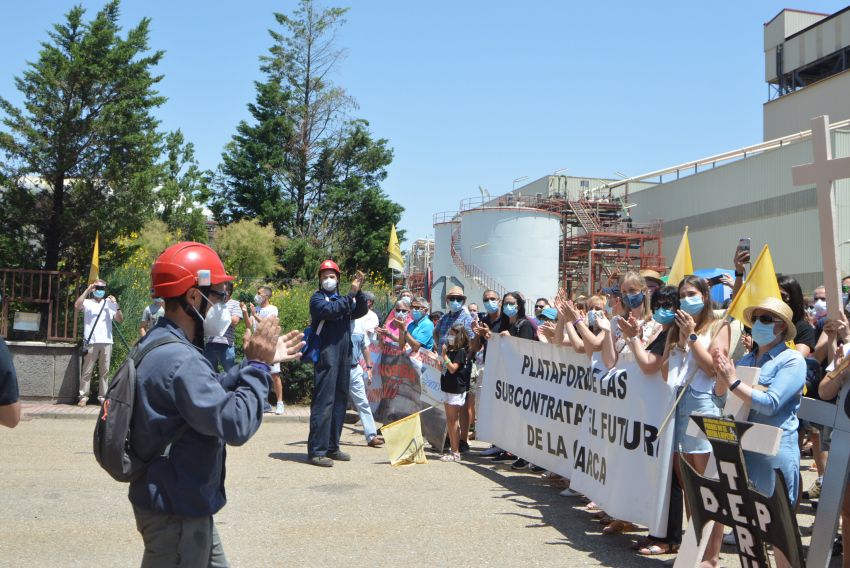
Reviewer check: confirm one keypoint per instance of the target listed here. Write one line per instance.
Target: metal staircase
(585, 216)
(471, 271)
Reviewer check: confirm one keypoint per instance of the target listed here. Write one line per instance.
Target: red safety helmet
(329, 265)
(177, 269)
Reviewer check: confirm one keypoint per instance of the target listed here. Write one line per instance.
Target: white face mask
(329, 284)
(217, 319)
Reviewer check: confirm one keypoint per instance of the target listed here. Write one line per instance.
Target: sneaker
(813, 492)
(491, 451)
(503, 456)
(464, 447)
(82, 402)
(321, 461)
(279, 408)
(339, 455)
(729, 538)
(375, 442)
(519, 464)
(536, 469)
(569, 493)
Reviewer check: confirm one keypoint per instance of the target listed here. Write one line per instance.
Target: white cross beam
(822, 172)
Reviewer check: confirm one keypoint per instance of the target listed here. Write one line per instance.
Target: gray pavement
(57, 508)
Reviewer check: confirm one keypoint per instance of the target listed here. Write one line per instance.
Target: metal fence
(49, 293)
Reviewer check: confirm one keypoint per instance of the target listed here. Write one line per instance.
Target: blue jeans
(357, 392)
(760, 467)
(220, 353)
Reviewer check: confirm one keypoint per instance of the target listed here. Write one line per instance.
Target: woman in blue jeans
(775, 399)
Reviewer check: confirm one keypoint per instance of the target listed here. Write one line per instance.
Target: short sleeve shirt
(455, 383)
(103, 328)
(151, 315)
(423, 332)
(8, 378)
(449, 319)
(263, 313)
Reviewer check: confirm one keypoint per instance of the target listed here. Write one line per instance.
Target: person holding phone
(98, 313)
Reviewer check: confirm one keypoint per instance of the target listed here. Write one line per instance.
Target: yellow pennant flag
(682, 264)
(94, 271)
(396, 261)
(760, 284)
(405, 443)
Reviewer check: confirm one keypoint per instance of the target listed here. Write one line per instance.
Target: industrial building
(575, 232)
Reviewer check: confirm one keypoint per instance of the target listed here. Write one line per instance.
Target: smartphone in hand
(744, 246)
(715, 280)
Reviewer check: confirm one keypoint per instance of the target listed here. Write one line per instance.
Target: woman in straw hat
(775, 399)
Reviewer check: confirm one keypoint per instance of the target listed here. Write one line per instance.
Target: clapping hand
(289, 347)
(724, 370)
(630, 327)
(685, 322)
(836, 328)
(357, 281)
(603, 323)
(262, 345)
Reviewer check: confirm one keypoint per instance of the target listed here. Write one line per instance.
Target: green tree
(247, 183)
(182, 190)
(248, 249)
(304, 165)
(81, 153)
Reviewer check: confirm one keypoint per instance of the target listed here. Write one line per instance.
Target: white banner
(599, 428)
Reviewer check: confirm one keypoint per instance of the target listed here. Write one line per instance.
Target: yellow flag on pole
(405, 443)
(760, 284)
(396, 261)
(682, 264)
(94, 271)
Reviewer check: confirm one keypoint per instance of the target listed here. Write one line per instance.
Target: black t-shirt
(8, 378)
(522, 329)
(805, 334)
(457, 382)
(495, 326)
(657, 345)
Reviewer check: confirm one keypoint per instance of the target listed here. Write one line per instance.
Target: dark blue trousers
(330, 398)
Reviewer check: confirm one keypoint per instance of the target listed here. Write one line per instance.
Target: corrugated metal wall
(754, 198)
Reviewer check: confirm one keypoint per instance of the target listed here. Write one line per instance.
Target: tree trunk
(53, 238)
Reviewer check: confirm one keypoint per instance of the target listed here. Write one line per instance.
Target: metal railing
(49, 292)
(472, 271)
(444, 217)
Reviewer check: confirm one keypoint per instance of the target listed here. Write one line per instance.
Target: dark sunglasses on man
(766, 319)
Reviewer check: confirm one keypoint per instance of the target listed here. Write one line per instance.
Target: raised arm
(78, 303)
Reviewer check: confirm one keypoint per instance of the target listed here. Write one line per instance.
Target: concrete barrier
(46, 371)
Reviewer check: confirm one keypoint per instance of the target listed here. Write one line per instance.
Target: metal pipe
(590, 266)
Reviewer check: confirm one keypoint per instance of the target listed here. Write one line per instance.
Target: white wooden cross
(822, 172)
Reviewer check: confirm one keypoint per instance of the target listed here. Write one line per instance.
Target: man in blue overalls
(330, 318)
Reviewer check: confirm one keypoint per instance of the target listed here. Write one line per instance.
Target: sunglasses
(455, 298)
(100, 287)
(402, 311)
(218, 294)
(765, 319)
(539, 307)
(816, 299)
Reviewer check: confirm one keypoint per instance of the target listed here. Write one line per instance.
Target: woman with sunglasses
(774, 400)
(396, 324)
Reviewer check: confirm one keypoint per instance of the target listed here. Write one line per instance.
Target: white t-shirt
(263, 313)
(368, 323)
(103, 329)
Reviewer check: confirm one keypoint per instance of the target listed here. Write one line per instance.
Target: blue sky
(473, 93)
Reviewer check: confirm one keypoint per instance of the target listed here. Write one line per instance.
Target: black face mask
(195, 314)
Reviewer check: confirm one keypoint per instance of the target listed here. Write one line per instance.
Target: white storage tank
(441, 265)
(515, 246)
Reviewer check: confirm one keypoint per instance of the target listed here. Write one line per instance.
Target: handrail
(444, 217)
(739, 153)
(473, 271)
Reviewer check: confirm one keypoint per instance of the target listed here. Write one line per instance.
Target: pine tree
(81, 152)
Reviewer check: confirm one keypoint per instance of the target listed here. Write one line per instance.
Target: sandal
(450, 457)
(656, 548)
(618, 527)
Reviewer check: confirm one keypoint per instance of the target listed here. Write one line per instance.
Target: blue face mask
(664, 316)
(692, 305)
(99, 294)
(492, 306)
(609, 310)
(763, 333)
(591, 318)
(510, 310)
(417, 315)
(455, 305)
(635, 300)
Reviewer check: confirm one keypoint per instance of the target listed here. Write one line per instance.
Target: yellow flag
(760, 284)
(94, 271)
(404, 441)
(396, 261)
(682, 264)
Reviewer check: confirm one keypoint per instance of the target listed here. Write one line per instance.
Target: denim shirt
(783, 372)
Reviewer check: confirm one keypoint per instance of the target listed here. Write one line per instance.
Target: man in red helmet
(331, 317)
(175, 498)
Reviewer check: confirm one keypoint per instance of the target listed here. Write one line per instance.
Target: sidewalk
(42, 409)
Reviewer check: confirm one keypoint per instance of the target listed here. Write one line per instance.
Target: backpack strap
(141, 350)
(139, 354)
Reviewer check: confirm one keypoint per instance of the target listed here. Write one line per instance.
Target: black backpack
(114, 421)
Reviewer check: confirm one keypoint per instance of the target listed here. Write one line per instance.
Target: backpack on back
(114, 421)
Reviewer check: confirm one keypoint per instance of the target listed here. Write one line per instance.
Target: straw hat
(456, 291)
(653, 276)
(778, 308)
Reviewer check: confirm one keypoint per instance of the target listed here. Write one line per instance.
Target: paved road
(57, 508)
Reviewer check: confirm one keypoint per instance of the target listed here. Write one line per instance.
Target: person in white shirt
(370, 321)
(98, 313)
(151, 315)
(260, 309)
